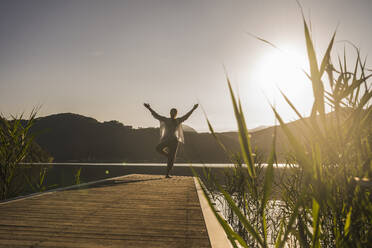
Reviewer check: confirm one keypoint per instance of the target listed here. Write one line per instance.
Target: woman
(170, 134)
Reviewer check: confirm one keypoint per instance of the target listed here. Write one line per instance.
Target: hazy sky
(105, 58)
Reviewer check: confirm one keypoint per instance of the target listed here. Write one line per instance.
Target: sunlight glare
(282, 70)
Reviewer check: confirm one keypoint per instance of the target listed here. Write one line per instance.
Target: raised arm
(187, 115)
(156, 115)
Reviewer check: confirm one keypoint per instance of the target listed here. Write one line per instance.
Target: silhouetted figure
(170, 134)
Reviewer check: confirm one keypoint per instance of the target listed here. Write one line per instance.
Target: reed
(325, 200)
(15, 143)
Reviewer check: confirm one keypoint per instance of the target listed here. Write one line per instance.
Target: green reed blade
(294, 142)
(289, 227)
(327, 56)
(348, 222)
(243, 134)
(316, 231)
(241, 217)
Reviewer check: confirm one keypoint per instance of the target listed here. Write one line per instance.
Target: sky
(104, 59)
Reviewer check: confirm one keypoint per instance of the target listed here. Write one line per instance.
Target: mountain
(71, 137)
(188, 129)
(258, 128)
(261, 139)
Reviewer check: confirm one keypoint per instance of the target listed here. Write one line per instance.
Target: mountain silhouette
(69, 137)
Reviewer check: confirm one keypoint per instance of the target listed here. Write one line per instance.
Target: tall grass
(15, 143)
(16, 146)
(325, 200)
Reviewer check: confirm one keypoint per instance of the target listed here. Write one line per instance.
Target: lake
(59, 175)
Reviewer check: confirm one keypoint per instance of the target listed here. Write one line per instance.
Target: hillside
(75, 138)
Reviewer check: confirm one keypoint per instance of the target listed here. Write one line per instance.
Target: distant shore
(66, 174)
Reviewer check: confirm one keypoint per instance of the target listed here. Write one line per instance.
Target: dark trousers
(168, 148)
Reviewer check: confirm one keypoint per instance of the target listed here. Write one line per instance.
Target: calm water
(65, 174)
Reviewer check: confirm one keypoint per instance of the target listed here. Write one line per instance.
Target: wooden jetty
(128, 211)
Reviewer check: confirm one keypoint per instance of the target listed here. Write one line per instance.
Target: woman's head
(173, 113)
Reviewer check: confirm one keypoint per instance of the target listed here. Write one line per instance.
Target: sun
(282, 70)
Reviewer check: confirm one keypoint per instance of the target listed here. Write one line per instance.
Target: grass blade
(318, 88)
(347, 222)
(243, 133)
(304, 161)
(327, 56)
(315, 239)
(268, 181)
(289, 227)
(241, 217)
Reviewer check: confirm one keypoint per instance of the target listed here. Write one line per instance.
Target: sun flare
(282, 70)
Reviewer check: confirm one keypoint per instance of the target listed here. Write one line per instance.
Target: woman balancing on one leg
(170, 134)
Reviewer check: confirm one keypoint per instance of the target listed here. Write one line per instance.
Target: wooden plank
(131, 211)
